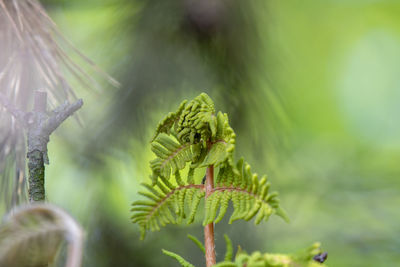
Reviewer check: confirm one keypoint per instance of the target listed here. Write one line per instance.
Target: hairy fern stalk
(187, 141)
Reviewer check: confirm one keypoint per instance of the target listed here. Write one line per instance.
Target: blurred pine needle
(33, 56)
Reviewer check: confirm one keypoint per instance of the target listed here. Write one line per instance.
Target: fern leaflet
(166, 124)
(166, 204)
(249, 195)
(181, 260)
(171, 156)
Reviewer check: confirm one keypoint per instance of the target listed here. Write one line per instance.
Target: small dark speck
(204, 180)
(321, 257)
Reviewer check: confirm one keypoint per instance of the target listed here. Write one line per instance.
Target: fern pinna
(187, 141)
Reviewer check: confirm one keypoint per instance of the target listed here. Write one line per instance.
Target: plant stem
(36, 158)
(40, 125)
(36, 176)
(209, 228)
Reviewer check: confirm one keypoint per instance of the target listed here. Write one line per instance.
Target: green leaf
(166, 124)
(194, 123)
(197, 242)
(171, 155)
(168, 207)
(222, 144)
(226, 264)
(33, 235)
(229, 249)
(181, 260)
(248, 193)
(196, 135)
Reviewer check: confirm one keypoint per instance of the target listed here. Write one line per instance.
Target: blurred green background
(313, 92)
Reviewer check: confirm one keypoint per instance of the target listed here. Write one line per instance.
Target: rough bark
(40, 126)
(36, 176)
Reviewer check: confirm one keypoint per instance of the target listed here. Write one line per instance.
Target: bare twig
(40, 127)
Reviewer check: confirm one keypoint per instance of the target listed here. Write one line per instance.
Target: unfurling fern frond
(193, 134)
(249, 195)
(182, 137)
(166, 124)
(222, 143)
(198, 121)
(33, 235)
(196, 137)
(190, 138)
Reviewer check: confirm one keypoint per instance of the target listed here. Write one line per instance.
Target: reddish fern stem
(218, 141)
(209, 242)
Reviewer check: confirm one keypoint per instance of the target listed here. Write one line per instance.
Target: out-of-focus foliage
(310, 257)
(33, 236)
(332, 153)
(255, 259)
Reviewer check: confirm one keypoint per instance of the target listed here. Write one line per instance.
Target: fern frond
(222, 143)
(171, 156)
(33, 235)
(181, 260)
(168, 122)
(229, 248)
(308, 253)
(226, 264)
(198, 120)
(250, 196)
(192, 134)
(197, 242)
(166, 204)
(197, 136)
(195, 204)
(257, 259)
(302, 259)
